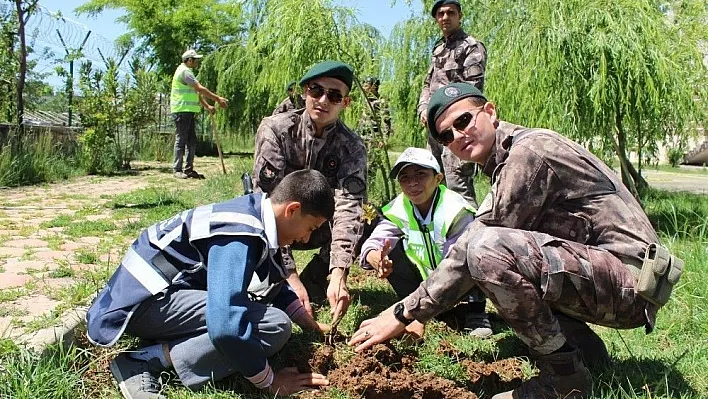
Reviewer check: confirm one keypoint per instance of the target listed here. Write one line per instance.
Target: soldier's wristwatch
(398, 313)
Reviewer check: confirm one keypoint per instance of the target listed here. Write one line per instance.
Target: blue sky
(378, 13)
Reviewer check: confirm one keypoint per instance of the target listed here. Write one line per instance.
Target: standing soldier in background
(457, 57)
(315, 138)
(186, 100)
(292, 101)
(375, 128)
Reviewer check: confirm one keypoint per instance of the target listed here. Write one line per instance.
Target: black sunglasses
(460, 123)
(316, 91)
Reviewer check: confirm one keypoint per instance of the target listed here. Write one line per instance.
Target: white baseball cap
(191, 54)
(415, 156)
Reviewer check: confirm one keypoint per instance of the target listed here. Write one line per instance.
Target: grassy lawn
(669, 363)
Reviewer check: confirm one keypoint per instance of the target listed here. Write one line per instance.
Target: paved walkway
(43, 268)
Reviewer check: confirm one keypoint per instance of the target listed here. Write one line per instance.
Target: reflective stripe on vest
(183, 98)
(166, 250)
(422, 245)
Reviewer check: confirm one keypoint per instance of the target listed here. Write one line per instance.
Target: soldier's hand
(223, 103)
(376, 330)
(289, 380)
(211, 110)
(338, 293)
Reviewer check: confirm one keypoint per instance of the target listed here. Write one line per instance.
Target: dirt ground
(385, 373)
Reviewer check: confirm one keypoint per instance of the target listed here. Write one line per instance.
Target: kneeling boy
(208, 287)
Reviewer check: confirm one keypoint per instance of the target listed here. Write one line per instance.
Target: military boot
(580, 335)
(561, 375)
(314, 278)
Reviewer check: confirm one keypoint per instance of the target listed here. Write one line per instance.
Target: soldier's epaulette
(471, 40)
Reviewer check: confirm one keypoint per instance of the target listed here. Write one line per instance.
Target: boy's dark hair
(308, 187)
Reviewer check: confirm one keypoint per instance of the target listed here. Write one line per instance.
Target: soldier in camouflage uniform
(457, 57)
(292, 101)
(558, 242)
(374, 127)
(315, 138)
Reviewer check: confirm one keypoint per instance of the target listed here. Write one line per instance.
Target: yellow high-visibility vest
(183, 98)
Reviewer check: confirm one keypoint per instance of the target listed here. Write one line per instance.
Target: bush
(675, 156)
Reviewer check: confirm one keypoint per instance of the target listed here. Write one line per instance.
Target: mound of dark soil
(383, 372)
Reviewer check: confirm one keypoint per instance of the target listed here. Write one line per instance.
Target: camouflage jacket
(544, 182)
(286, 142)
(370, 123)
(460, 58)
(288, 105)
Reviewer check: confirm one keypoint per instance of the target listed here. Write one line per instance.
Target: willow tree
(617, 78)
(406, 60)
(284, 39)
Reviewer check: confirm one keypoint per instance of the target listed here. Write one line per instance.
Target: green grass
(89, 228)
(62, 271)
(55, 241)
(25, 375)
(59, 221)
(669, 363)
(32, 159)
(695, 170)
(86, 256)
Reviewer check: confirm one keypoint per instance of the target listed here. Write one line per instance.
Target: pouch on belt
(660, 272)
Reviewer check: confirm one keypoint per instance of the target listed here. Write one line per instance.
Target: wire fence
(63, 35)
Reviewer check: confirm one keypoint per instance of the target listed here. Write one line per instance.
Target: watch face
(398, 312)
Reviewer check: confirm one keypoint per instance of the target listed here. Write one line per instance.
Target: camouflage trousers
(529, 275)
(459, 174)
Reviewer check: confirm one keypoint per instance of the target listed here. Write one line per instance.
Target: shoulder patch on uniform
(452, 92)
(267, 176)
(354, 185)
(331, 165)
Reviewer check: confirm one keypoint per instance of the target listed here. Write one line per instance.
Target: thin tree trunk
(23, 62)
(621, 149)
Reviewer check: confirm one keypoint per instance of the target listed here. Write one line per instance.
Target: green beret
(289, 85)
(447, 95)
(440, 3)
(330, 69)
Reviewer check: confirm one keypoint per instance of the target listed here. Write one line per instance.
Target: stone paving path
(37, 262)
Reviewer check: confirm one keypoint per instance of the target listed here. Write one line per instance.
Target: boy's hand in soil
(307, 322)
(289, 380)
(324, 328)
